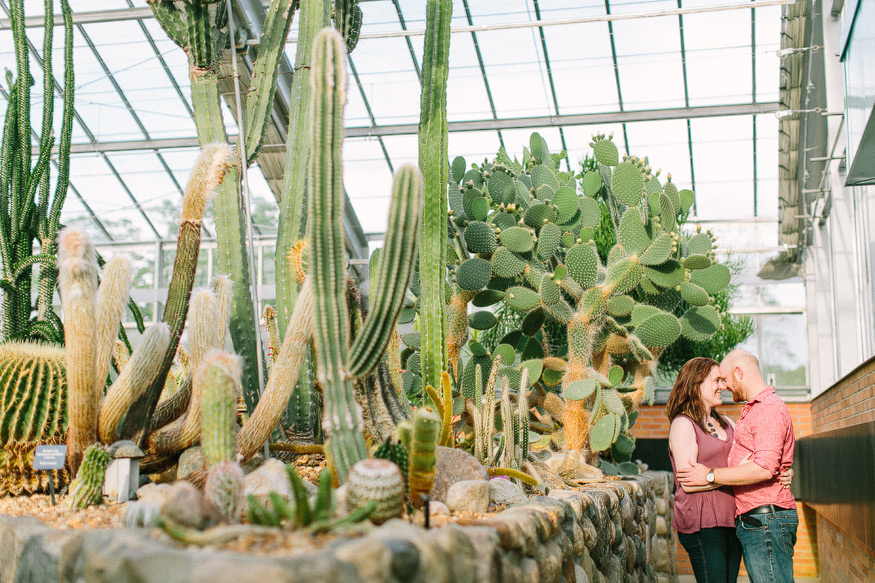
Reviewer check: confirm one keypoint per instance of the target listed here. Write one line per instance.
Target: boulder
(469, 496)
(454, 465)
(571, 465)
(503, 492)
(271, 476)
(186, 505)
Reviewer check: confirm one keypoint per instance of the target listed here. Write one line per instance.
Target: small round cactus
(225, 487)
(376, 480)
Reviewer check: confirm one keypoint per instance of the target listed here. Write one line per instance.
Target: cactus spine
(433, 163)
(426, 429)
(77, 264)
(86, 489)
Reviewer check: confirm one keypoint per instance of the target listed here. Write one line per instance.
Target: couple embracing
(732, 480)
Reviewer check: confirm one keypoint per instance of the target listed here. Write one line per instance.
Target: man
(765, 511)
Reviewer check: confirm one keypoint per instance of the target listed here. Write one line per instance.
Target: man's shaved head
(741, 370)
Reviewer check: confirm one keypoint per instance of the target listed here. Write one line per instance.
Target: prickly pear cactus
(600, 274)
(86, 489)
(376, 480)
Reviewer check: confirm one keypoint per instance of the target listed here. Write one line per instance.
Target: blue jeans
(715, 554)
(768, 548)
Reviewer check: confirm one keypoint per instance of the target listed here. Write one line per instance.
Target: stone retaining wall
(611, 532)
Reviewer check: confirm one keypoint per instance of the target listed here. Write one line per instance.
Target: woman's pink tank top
(698, 510)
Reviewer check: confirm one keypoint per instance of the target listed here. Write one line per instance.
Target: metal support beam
(471, 126)
(86, 17)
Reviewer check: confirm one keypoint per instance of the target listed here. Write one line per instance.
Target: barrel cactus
(380, 481)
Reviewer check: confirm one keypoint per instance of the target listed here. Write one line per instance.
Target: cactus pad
(538, 215)
(592, 183)
(612, 402)
(544, 182)
(659, 251)
(615, 375)
(474, 273)
(480, 238)
(658, 330)
(628, 183)
(517, 239)
(688, 199)
(521, 298)
(533, 321)
(694, 295)
(601, 434)
(504, 220)
(580, 390)
(671, 191)
(620, 305)
(624, 275)
(641, 312)
(506, 263)
(606, 152)
(699, 244)
(631, 232)
(482, 320)
(666, 275)
(590, 213)
(487, 297)
(712, 279)
(565, 201)
(667, 214)
(501, 187)
(697, 262)
(550, 292)
(549, 238)
(582, 262)
(700, 322)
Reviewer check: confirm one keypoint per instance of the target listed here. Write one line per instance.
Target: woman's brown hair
(685, 397)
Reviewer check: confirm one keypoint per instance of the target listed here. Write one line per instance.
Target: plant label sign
(49, 457)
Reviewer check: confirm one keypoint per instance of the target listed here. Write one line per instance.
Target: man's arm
(747, 473)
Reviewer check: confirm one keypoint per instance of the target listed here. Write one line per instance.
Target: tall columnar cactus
(132, 380)
(115, 285)
(314, 15)
(199, 27)
(86, 489)
(204, 326)
(29, 212)
(33, 411)
(207, 175)
(224, 485)
(426, 430)
(433, 163)
(77, 264)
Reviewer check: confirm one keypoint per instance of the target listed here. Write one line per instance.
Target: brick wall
(653, 424)
(851, 401)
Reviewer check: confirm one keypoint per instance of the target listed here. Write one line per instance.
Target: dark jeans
(768, 548)
(715, 554)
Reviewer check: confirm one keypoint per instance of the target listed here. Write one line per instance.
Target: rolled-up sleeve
(769, 426)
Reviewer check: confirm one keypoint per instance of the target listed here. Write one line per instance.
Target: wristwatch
(709, 477)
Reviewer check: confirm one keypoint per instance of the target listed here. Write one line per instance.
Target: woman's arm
(684, 448)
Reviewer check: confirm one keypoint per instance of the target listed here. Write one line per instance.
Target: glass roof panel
(389, 80)
(368, 182)
(578, 139)
(767, 61)
(466, 86)
(666, 146)
(767, 165)
(403, 149)
(649, 58)
(724, 182)
(718, 52)
(475, 146)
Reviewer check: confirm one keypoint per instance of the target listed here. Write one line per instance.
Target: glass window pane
(779, 343)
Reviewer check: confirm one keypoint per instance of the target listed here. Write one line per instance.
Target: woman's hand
(786, 477)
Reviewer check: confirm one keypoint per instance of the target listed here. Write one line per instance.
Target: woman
(704, 516)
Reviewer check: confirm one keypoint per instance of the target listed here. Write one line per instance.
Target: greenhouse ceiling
(691, 84)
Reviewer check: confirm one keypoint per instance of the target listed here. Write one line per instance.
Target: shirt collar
(768, 391)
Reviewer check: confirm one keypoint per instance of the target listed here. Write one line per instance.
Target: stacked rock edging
(608, 532)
